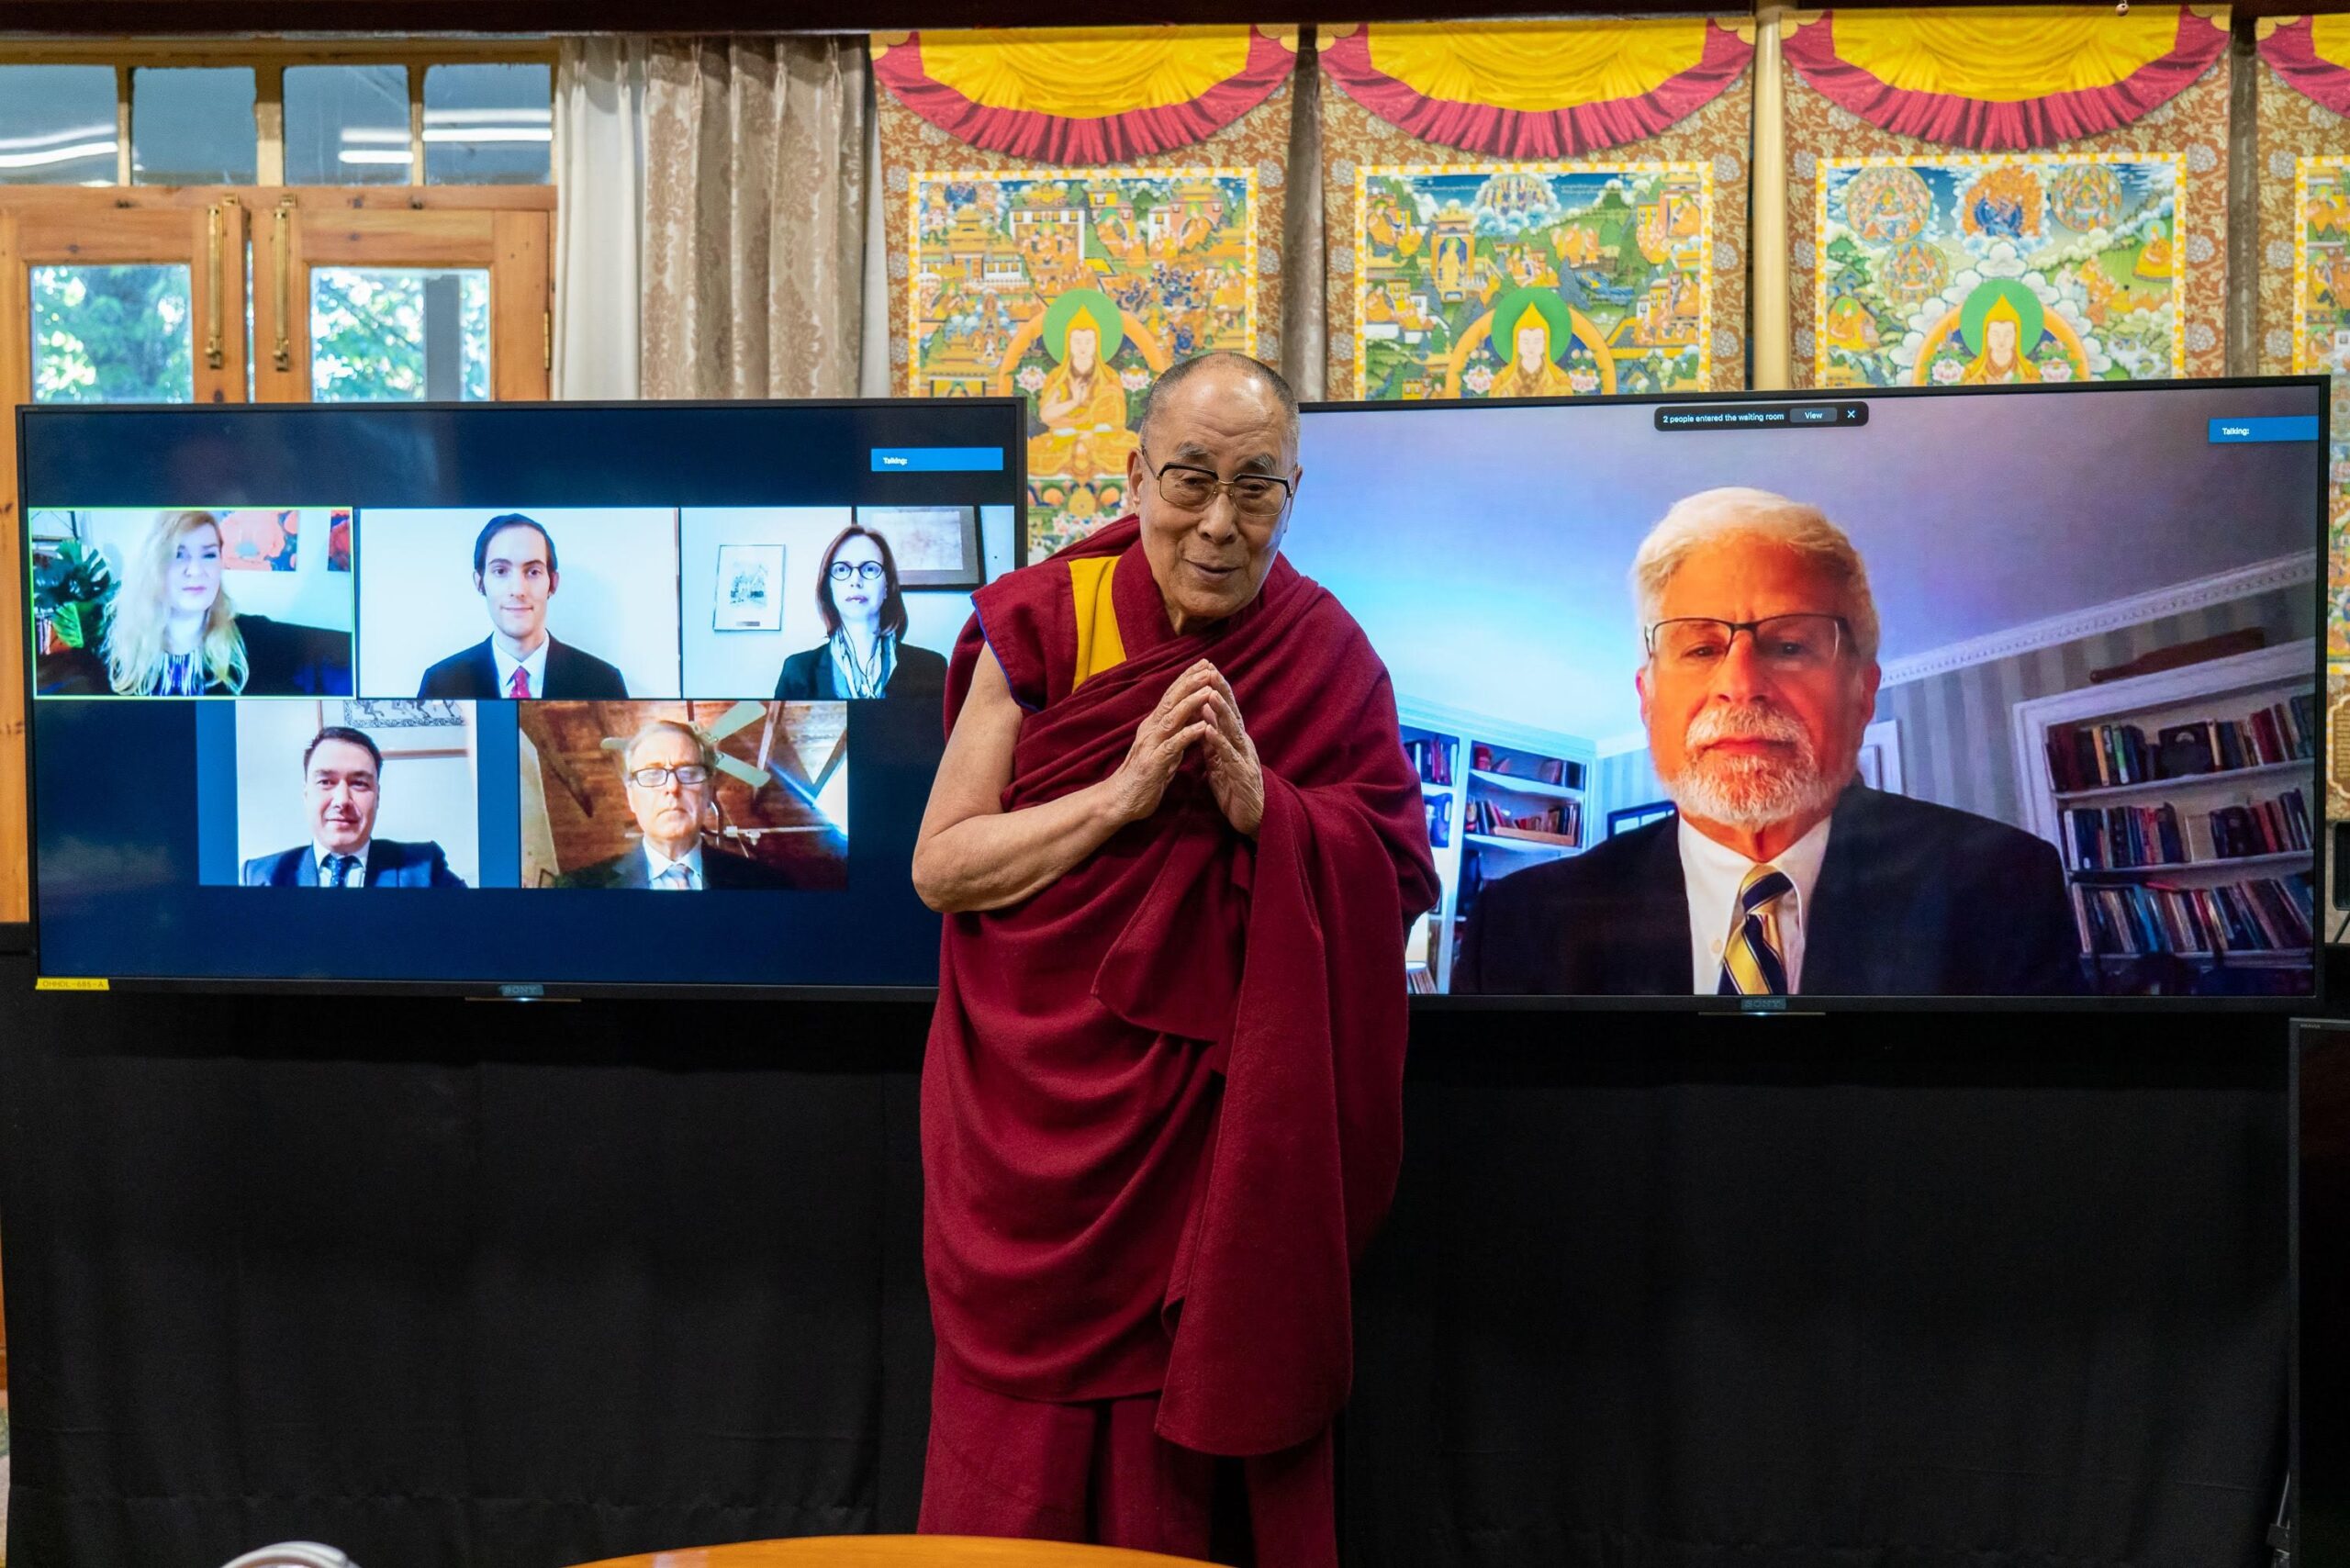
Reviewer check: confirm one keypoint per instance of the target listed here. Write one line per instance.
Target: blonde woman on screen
(173, 630)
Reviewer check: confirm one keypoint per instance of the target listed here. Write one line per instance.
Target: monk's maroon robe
(1161, 1105)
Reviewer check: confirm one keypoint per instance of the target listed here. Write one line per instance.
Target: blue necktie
(339, 869)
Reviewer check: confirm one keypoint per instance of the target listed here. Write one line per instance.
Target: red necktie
(517, 687)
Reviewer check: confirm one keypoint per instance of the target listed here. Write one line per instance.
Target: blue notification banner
(938, 460)
(2278, 427)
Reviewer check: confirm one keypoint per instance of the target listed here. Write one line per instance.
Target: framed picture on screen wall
(935, 548)
(749, 592)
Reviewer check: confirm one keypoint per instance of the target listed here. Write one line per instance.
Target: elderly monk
(1178, 846)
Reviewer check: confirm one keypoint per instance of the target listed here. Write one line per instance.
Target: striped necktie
(1753, 964)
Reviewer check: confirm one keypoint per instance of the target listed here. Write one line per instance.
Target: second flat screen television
(507, 667)
(2081, 723)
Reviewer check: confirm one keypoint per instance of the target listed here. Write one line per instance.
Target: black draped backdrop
(471, 1284)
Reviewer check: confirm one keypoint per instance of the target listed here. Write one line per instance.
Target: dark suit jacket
(721, 873)
(282, 659)
(1913, 900)
(390, 864)
(572, 675)
(808, 676)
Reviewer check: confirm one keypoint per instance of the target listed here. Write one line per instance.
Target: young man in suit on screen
(1782, 873)
(514, 572)
(342, 774)
(671, 772)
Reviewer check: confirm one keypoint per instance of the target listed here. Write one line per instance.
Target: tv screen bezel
(527, 989)
(1811, 1005)
(520, 987)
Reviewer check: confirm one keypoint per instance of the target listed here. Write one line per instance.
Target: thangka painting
(1070, 213)
(2303, 123)
(1988, 196)
(1994, 271)
(1532, 280)
(1536, 209)
(2303, 126)
(1075, 287)
(2319, 344)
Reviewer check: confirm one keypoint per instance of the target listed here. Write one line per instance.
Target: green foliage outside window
(112, 335)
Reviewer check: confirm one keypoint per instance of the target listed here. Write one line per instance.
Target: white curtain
(873, 362)
(600, 215)
(755, 217)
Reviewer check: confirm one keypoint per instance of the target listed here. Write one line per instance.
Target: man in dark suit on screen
(1781, 874)
(514, 572)
(342, 774)
(671, 771)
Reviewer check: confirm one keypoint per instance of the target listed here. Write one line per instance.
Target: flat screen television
(2082, 751)
(503, 665)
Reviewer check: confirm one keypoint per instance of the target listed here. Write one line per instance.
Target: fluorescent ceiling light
(370, 155)
(59, 155)
(487, 133)
(489, 117)
(396, 134)
(52, 138)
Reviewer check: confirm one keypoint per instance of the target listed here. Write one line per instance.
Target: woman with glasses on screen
(171, 630)
(865, 620)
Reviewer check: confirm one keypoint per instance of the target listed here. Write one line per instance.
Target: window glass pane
(346, 124)
(122, 334)
(399, 334)
(488, 125)
(57, 125)
(192, 126)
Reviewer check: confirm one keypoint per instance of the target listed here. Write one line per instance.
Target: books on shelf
(1432, 757)
(1484, 758)
(2260, 915)
(2097, 757)
(2119, 837)
(1562, 819)
(1440, 810)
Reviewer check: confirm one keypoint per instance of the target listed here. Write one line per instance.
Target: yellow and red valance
(1084, 95)
(1535, 90)
(2313, 54)
(2006, 77)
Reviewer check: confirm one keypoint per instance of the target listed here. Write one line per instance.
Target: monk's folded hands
(1181, 720)
(1234, 776)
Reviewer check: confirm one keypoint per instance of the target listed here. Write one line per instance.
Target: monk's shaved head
(1255, 370)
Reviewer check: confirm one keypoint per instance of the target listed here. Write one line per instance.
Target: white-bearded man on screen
(1780, 873)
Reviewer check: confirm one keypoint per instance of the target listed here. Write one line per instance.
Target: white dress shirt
(536, 663)
(320, 854)
(656, 864)
(1713, 873)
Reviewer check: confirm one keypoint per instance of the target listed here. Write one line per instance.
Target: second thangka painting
(1536, 209)
(1990, 271)
(1990, 196)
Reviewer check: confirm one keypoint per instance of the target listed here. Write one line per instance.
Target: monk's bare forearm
(998, 859)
